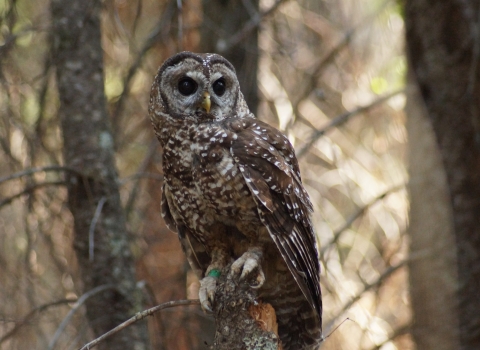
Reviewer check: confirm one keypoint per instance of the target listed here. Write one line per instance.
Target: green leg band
(214, 273)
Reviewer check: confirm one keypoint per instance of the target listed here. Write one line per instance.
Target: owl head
(197, 86)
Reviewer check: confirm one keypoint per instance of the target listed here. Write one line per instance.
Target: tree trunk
(443, 54)
(100, 239)
(433, 264)
(221, 20)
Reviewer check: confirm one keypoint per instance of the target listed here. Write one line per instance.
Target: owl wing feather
(267, 162)
(165, 211)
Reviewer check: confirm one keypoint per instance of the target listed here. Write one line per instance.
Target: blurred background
(330, 74)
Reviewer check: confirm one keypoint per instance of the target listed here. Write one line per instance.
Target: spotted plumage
(233, 192)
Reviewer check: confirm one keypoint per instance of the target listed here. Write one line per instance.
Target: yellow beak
(206, 103)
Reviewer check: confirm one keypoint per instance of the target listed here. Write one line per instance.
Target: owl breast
(202, 178)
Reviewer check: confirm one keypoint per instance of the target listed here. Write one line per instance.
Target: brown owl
(233, 193)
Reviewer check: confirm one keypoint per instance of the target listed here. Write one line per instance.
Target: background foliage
(330, 75)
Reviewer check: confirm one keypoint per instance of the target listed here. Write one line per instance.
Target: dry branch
(139, 316)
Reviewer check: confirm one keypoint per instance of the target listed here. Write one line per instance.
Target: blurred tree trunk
(94, 198)
(433, 265)
(444, 56)
(221, 20)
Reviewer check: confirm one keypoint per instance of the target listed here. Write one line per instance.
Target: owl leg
(249, 262)
(208, 284)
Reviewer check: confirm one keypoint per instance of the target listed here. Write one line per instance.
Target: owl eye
(219, 87)
(187, 86)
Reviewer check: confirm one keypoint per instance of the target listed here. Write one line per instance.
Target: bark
(444, 57)
(433, 264)
(221, 20)
(242, 323)
(94, 199)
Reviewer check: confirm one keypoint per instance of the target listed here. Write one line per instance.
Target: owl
(233, 193)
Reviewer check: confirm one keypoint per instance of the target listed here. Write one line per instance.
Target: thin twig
(337, 327)
(28, 318)
(341, 119)
(30, 189)
(91, 230)
(70, 314)
(32, 171)
(139, 316)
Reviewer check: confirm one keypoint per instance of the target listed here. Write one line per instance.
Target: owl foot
(206, 294)
(249, 262)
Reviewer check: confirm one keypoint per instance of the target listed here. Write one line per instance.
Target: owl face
(199, 86)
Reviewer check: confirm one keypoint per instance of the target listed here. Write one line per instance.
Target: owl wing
(268, 164)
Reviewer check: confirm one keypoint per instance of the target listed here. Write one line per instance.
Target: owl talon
(206, 294)
(246, 264)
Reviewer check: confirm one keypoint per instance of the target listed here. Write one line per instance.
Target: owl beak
(206, 103)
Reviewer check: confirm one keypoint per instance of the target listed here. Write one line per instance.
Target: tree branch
(139, 316)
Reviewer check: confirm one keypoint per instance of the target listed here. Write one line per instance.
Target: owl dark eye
(187, 86)
(219, 87)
